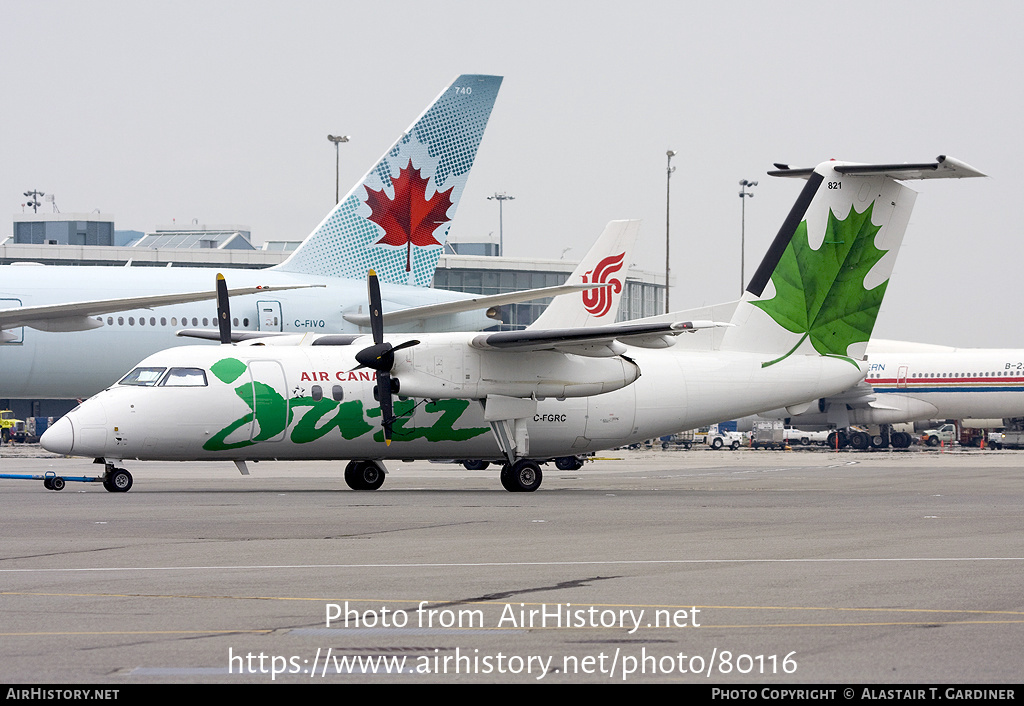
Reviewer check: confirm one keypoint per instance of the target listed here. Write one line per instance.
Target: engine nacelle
(443, 372)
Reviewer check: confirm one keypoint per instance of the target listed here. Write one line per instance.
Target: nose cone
(60, 437)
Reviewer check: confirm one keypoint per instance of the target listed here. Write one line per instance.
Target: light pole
(744, 195)
(33, 199)
(337, 139)
(668, 187)
(501, 199)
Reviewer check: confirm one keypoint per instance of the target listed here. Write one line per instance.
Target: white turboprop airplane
(66, 332)
(797, 335)
(909, 382)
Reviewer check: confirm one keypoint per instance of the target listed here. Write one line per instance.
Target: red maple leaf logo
(409, 218)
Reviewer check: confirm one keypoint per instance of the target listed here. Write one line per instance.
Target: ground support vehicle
(1009, 439)
(115, 480)
(946, 435)
(802, 437)
(718, 438)
(769, 434)
(683, 438)
(9, 425)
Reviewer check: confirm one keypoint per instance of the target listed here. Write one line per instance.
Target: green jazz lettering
(270, 414)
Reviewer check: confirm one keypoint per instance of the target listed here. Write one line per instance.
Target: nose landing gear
(117, 480)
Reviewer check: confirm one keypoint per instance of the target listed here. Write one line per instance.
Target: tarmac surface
(701, 567)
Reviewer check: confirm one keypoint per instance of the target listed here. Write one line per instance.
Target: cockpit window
(185, 377)
(143, 376)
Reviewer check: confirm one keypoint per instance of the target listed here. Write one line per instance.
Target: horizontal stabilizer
(942, 168)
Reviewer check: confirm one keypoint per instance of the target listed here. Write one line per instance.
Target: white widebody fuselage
(960, 384)
(308, 402)
(68, 364)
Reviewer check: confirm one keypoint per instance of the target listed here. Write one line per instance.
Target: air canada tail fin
(819, 288)
(395, 220)
(607, 262)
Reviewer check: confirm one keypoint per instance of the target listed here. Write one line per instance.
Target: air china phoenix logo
(409, 218)
(599, 301)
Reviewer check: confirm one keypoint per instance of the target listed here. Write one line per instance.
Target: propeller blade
(376, 320)
(381, 357)
(223, 310)
(407, 344)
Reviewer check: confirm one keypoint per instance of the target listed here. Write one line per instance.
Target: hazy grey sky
(219, 111)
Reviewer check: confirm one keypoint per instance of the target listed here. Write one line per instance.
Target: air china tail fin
(819, 288)
(395, 220)
(607, 261)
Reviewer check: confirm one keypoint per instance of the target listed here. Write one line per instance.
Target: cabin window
(337, 393)
(317, 393)
(143, 376)
(185, 377)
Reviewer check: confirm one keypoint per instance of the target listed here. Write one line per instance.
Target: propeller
(223, 310)
(381, 357)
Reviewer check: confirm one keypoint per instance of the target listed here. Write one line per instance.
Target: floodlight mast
(744, 195)
(337, 139)
(668, 186)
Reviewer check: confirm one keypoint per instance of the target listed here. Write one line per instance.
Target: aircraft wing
(236, 336)
(860, 395)
(594, 341)
(77, 316)
(457, 307)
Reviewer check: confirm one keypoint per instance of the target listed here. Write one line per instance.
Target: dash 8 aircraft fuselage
(310, 401)
(559, 388)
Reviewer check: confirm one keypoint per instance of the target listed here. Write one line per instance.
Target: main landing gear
(364, 475)
(523, 476)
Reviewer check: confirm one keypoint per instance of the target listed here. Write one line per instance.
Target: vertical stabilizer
(606, 262)
(820, 287)
(396, 219)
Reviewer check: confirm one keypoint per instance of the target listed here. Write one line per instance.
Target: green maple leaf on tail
(820, 293)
